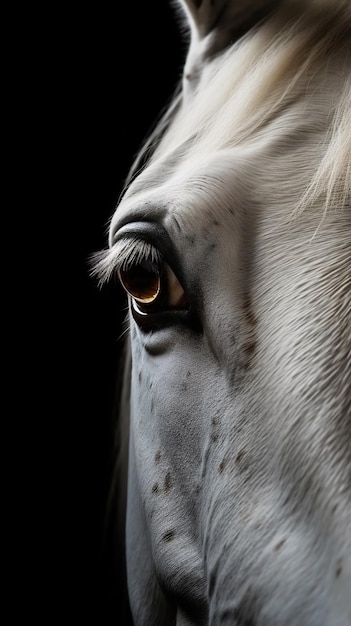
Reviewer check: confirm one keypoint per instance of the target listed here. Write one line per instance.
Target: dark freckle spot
(214, 421)
(169, 535)
(139, 377)
(240, 456)
(222, 466)
(242, 461)
(157, 457)
(214, 437)
(215, 223)
(150, 385)
(188, 374)
(250, 348)
(211, 246)
(338, 568)
(279, 544)
(154, 488)
(168, 482)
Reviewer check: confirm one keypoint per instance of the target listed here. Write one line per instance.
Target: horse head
(233, 242)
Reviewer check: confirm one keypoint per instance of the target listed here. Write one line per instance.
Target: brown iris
(142, 281)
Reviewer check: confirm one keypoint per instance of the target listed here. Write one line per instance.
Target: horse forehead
(202, 191)
(192, 194)
(199, 177)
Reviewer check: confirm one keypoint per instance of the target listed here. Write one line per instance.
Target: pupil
(142, 281)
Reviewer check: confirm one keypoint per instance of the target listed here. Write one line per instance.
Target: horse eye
(153, 287)
(141, 281)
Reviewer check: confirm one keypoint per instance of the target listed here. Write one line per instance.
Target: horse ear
(214, 24)
(232, 16)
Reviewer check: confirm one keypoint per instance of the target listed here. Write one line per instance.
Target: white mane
(242, 96)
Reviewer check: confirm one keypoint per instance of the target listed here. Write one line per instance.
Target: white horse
(233, 241)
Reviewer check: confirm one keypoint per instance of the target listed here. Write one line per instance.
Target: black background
(126, 65)
(95, 80)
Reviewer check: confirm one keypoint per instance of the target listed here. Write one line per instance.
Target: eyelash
(135, 251)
